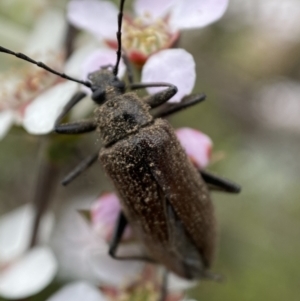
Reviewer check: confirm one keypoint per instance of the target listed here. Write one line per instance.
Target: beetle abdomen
(151, 172)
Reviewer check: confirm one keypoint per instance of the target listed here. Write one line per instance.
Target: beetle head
(104, 85)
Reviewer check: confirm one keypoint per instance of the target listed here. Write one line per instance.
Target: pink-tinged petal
(153, 9)
(71, 240)
(104, 213)
(174, 66)
(29, 275)
(73, 64)
(78, 291)
(42, 41)
(197, 145)
(6, 121)
(196, 13)
(40, 115)
(97, 17)
(15, 231)
(74, 241)
(99, 58)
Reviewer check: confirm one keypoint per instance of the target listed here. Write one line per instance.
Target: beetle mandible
(165, 199)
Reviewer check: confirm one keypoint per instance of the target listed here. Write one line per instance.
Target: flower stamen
(145, 37)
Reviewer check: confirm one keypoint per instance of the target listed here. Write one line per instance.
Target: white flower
(154, 27)
(24, 272)
(83, 253)
(33, 97)
(147, 37)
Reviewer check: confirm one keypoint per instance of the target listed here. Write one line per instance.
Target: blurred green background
(256, 142)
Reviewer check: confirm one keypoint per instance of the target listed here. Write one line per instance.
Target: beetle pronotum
(164, 197)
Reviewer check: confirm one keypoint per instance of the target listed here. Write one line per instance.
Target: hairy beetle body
(162, 194)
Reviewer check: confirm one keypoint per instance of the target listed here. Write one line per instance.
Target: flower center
(145, 36)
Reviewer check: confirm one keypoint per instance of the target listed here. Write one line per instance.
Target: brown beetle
(164, 197)
(162, 194)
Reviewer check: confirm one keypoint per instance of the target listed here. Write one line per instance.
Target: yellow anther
(146, 38)
(151, 39)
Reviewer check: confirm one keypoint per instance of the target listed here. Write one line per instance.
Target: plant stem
(46, 182)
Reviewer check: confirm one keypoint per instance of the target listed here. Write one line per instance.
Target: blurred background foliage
(256, 135)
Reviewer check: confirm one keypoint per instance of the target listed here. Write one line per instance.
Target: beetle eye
(99, 96)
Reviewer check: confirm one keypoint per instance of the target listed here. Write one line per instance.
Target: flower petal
(97, 17)
(15, 231)
(75, 241)
(153, 9)
(178, 284)
(105, 212)
(73, 65)
(197, 13)
(174, 66)
(197, 146)
(71, 238)
(42, 40)
(40, 115)
(101, 57)
(78, 291)
(115, 272)
(29, 275)
(6, 121)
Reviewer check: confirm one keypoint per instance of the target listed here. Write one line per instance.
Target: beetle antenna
(119, 37)
(43, 66)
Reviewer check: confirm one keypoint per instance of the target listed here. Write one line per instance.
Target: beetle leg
(73, 127)
(161, 97)
(79, 127)
(186, 102)
(118, 233)
(220, 184)
(158, 98)
(116, 239)
(81, 167)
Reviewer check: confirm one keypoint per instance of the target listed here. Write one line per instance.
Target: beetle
(164, 198)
